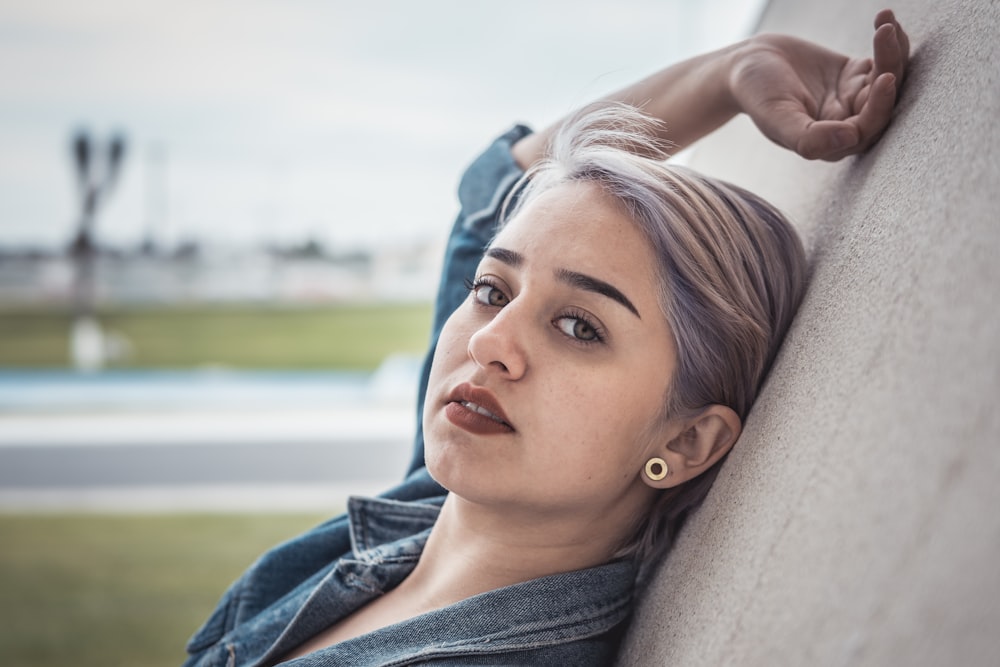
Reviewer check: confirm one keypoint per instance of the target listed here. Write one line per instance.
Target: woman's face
(548, 381)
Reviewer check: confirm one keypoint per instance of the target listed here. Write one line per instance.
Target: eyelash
(572, 314)
(599, 334)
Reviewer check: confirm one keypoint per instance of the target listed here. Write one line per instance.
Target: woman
(586, 382)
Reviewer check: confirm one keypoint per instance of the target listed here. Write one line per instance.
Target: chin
(435, 473)
(440, 466)
(461, 481)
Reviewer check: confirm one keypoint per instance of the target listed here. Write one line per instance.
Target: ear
(700, 443)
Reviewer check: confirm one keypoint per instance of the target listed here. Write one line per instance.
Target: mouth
(476, 409)
(483, 411)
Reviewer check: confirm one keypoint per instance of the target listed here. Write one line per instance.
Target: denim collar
(378, 522)
(388, 537)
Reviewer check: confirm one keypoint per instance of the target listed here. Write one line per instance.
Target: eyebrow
(571, 278)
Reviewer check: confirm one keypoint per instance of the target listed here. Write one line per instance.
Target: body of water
(22, 391)
(202, 440)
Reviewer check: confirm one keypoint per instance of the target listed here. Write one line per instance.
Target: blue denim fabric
(299, 588)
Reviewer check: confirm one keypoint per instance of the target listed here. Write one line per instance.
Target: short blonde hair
(732, 271)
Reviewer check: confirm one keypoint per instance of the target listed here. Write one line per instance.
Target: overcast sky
(255, 121)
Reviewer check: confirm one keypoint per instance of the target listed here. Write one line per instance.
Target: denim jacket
(300, 588)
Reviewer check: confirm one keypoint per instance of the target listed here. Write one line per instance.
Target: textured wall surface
(857, 522)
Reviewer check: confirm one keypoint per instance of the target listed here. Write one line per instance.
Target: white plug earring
(656, 469)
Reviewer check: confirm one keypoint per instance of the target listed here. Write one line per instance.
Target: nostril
(494, 347)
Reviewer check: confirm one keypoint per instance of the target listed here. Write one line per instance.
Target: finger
(861, 99)
(828, 140)
(890, 47)
(785, 123)
(877, 111)
(857, 87)
(832, 140)
(887, 53)
(886, 16)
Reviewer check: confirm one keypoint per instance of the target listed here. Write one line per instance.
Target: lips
(477, 410)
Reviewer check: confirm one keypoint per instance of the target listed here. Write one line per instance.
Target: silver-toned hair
(732, 272)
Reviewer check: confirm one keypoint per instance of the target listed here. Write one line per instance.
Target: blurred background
(220, 230)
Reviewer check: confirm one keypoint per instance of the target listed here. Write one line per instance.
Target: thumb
(787, 124)
(827, 140)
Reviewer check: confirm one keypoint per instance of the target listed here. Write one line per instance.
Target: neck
(474, 549)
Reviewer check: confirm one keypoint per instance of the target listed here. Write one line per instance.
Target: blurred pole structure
(95, 178)
(155, 197)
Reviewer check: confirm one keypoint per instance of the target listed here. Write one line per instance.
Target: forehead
(578, 226)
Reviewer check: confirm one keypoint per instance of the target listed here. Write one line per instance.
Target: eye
(579, 328)
(486, 293)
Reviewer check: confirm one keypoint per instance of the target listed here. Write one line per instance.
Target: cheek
(633, 407)
(598, 417)
(451, 345)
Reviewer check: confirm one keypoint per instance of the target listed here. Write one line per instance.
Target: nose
(498, 346)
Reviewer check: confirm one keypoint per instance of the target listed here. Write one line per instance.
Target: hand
(816, 102)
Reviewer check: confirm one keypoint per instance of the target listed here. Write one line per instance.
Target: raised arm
(816, 102)
(802, 96)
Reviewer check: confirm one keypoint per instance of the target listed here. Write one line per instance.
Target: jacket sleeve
(278, 571)
(482, 190)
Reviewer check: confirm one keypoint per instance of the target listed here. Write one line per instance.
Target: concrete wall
(857, 522)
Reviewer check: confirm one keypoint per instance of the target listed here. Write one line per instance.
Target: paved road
(37, 466)
(199, 460)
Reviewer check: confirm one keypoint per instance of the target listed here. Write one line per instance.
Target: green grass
(120, 590)
(348, 337)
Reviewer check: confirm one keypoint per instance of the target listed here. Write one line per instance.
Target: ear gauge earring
(656, 469)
